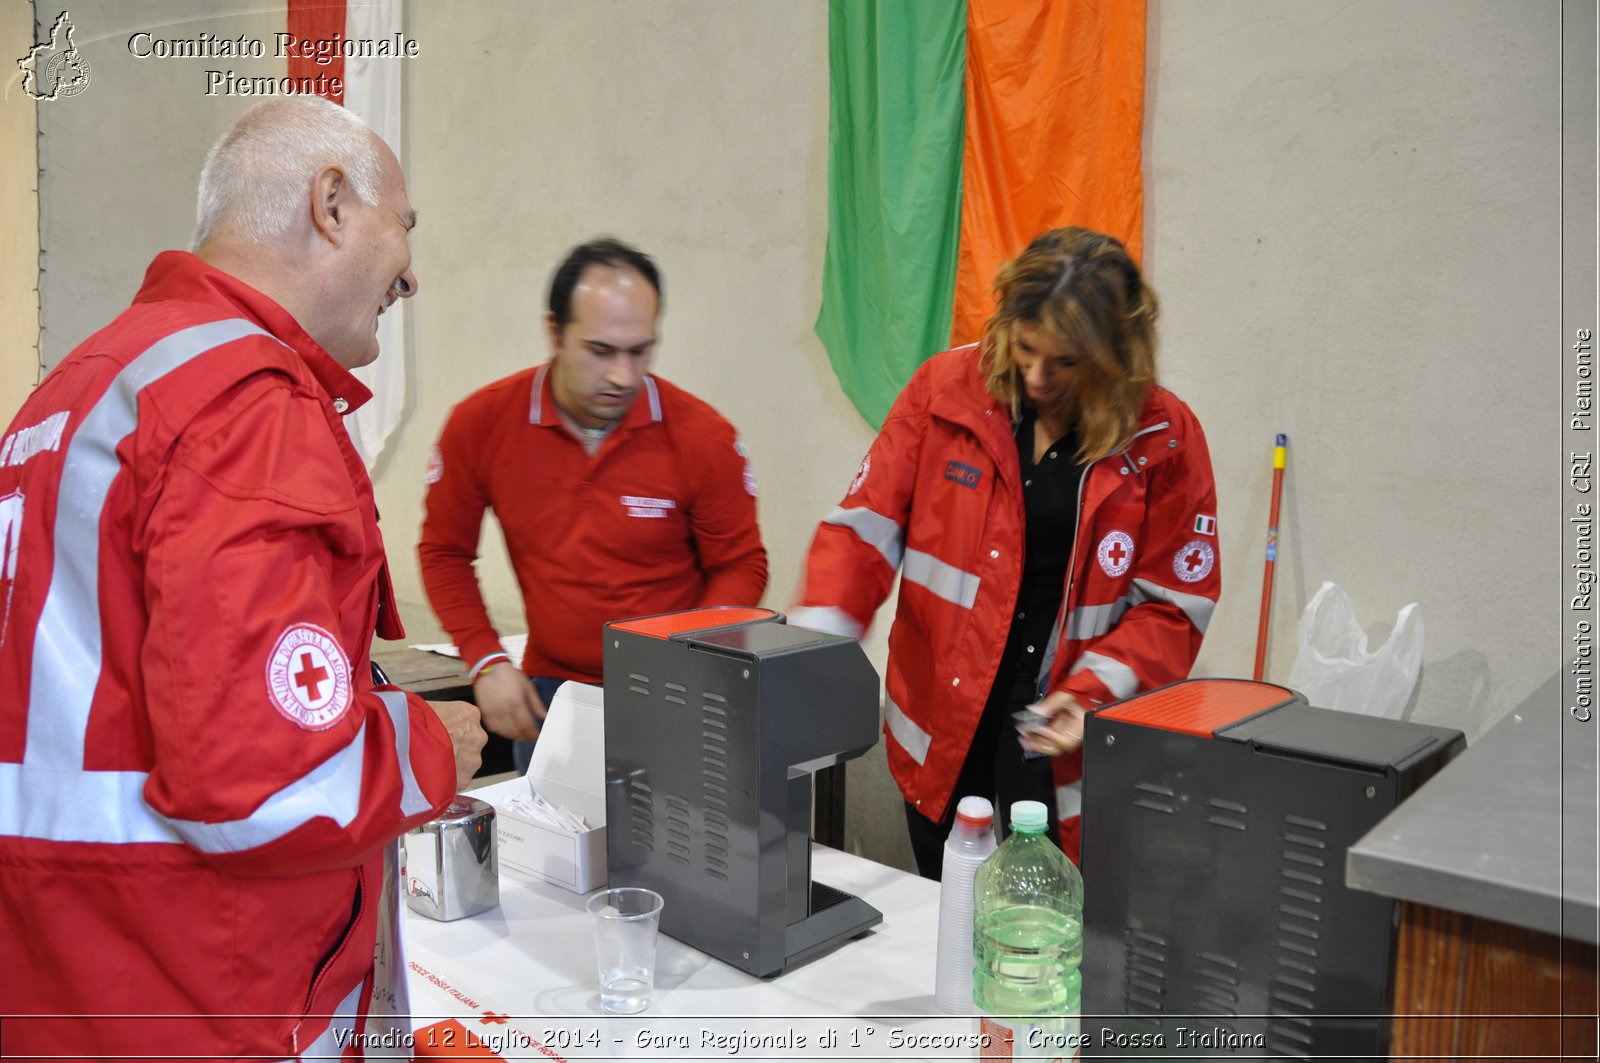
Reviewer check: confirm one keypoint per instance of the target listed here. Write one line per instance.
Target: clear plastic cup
(626, 920)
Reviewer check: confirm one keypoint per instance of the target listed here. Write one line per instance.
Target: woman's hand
(1064, 731)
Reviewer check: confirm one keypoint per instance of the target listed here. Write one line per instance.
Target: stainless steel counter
(1507, 831)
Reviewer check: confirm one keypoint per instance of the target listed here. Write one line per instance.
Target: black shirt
(1050, 500)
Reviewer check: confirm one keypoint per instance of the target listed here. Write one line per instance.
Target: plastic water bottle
(1028, 944)
(970, 843)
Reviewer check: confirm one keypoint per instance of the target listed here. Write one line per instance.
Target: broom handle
(1279, 459)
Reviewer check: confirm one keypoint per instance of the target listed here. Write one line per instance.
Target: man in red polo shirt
(619, 494)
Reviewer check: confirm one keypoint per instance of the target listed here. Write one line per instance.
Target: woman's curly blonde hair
(1082, 289)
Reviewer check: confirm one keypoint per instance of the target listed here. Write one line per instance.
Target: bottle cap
(976, 811)
(1029, 816)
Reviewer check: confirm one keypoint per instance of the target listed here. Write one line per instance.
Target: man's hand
(508, 702)
(1064, 732)
(460, 719)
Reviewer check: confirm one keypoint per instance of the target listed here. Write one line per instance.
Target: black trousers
(995, 768)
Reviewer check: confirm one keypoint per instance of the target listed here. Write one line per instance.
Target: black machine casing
(715, 721)
(1217, 816)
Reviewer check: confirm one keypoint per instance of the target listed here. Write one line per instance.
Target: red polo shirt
(662, 517)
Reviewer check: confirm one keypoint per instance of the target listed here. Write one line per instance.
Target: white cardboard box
(568, 768)
(574, 861)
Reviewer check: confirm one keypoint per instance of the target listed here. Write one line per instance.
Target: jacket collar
(968, 403)
(1151, 443)
(182, 277)
(542, 410)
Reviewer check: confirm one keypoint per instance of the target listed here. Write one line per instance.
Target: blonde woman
(1053, 514)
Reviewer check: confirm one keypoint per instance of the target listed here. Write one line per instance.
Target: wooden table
(440, 678)
(1495, 858)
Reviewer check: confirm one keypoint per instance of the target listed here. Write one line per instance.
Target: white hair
(257, 176)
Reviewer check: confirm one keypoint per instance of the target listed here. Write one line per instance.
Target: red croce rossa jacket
(938, 498)
(198, 775)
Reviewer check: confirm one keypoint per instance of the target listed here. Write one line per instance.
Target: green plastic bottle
(1027, 944)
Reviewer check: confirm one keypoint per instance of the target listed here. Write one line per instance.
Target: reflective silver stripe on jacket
(945, 580)
(913, 739)
(1117, 677)
(1069, 800)
(412, 800)
(66, 646)
(330, 1044)
(826, 618)
(332, 790)
(1092, 621)
(877, 531)
(78, 806)
(109, 806)
(1196, 608)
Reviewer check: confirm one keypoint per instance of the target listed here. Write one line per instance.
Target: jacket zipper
(360, 908)
(1042, 681)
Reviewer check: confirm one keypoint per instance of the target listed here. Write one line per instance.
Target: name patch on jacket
(24, 443)
(308, 677)
(963, 474)
(638, 506)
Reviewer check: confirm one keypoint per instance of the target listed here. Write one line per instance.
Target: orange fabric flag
(1055, 106)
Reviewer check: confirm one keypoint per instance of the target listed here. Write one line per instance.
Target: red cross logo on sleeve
(310, 677)
(1194, 561)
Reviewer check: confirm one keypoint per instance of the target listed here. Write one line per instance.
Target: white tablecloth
(525, 971)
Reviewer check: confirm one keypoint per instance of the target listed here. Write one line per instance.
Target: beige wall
(696, 130)
(119, 161)
(19, 218)
(1352, 222)
(1354, 217)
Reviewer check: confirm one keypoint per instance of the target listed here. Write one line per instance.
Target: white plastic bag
(1334, 669)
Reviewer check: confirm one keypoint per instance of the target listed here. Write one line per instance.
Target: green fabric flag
(894, 191)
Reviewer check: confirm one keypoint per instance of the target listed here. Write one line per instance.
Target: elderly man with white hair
(199, 776)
